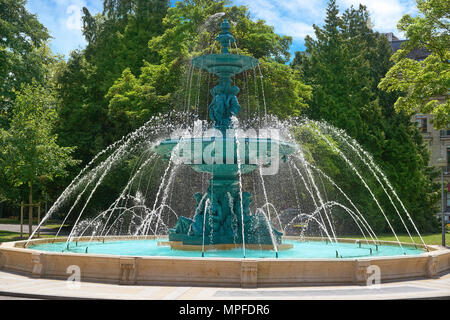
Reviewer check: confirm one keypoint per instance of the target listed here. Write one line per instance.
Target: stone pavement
(15, 285)
(16, 228)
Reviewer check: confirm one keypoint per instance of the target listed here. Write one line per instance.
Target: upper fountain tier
(225, 64)
(223, 107)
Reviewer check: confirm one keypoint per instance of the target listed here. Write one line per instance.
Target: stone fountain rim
(218, 272)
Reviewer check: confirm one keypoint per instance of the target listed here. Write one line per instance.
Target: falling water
(372, 165)
(130, 214)
(262, 92)
(236, 139)
(362, 180)
(207, 205)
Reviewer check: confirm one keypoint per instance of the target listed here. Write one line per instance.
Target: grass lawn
(432, 238)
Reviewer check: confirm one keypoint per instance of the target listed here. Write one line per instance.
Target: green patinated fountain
(223, 218)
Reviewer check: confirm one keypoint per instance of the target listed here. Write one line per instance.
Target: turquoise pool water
(304, 249)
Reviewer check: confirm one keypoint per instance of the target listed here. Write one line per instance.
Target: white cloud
(296, 29)
(63, 20)
(384, 14)
(291, 17)
(313, 9)
(296, 17)
(73, 22)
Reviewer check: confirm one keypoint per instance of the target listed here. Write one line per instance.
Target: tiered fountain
(136, 240)
(223, 219)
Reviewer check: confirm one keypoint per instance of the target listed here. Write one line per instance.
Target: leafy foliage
(344, 65)
(424, 83)
(117, 40)
(23, 52)
(29, 152)
(190, 30)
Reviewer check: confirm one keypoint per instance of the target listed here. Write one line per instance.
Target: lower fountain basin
(289, 249)
(218, 268)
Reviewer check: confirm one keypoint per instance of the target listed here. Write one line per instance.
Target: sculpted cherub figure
(196, 227)
(217, 107)
(232, 104)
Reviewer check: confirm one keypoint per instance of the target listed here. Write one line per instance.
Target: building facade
(437, 141)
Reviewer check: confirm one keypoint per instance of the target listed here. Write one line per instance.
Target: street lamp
(442, 163)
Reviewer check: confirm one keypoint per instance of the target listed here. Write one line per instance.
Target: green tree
(344, 65)
(423, 83)
(338, 69)
(23, 52)
(82, 120)
(286, 95)
(133, 101)
(29, 154)
(190, 30)
(117, 40)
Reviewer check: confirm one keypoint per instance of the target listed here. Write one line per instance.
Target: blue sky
(289, 17)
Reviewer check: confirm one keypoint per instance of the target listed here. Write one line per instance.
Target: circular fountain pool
(300, 249)
(144, 260)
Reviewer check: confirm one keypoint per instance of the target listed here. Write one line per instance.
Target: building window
(448, 159)
(448, 202)
(422, 123)
(445, 133)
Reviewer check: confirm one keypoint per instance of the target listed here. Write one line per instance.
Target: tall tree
(29, 153)
(82, 120)
(23, 52)
(117, 40)
(423, 83)
(190, 30)
(344, 65)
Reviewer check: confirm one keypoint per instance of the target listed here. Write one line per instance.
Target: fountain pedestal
(220, 217)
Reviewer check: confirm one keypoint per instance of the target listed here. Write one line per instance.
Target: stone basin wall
(227, 272)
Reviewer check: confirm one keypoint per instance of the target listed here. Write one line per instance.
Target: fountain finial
(225, 37)
(225, 65)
